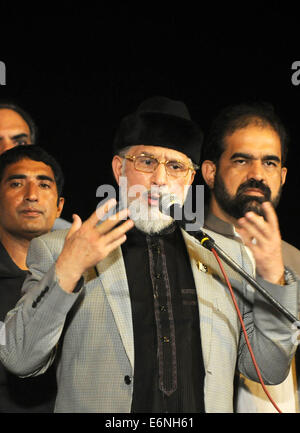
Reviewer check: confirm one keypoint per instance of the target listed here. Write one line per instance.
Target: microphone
(169, 204)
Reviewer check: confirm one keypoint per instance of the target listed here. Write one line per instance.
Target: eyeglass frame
(134, 157)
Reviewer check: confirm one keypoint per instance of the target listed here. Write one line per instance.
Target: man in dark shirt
(30, 200)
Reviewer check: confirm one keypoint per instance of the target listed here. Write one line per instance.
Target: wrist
(67, 278)
(277, 277)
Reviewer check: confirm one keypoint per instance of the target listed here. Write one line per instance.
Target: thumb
(77, 223)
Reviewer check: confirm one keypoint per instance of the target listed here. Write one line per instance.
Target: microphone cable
(244, 330)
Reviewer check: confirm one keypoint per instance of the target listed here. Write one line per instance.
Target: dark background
(80, 72)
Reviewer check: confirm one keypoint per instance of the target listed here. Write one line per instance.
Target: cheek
(8, 211)
(11, 201)
(179, 188)
(138, 180)
(232, 180)
(275, 185)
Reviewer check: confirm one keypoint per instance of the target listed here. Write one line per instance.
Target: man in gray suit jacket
(143, 321)
(244, 165)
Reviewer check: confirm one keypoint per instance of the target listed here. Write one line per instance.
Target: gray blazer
(90, 332)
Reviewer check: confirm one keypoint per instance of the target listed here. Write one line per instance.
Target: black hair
(35, 153)
(239, 116)
(27, 118)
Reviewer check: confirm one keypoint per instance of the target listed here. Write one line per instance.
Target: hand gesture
(88, 243)
(262, 236)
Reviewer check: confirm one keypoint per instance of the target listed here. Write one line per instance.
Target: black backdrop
(79, 72)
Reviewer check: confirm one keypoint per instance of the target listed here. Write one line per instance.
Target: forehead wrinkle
(163, 153)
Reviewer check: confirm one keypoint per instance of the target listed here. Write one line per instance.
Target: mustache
(257, 184)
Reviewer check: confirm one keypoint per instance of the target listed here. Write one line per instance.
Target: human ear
(60, 205)
(283, 175)
(117, 164)
(208, 170)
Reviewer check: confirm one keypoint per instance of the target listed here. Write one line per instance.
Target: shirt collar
(217, 225)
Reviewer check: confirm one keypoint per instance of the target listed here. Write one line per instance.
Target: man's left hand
(262, 236)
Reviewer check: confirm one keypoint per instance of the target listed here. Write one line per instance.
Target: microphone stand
(210, 244)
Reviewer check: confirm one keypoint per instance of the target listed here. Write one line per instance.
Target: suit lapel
(202, 277)
(113, 277)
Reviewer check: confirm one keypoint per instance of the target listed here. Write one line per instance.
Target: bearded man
(244, 167)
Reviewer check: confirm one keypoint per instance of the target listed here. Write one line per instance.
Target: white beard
(146, 218)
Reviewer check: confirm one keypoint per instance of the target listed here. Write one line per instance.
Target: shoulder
(291, 257)
(61, 224)
(51, 239)
(46, 246)
(229, 245)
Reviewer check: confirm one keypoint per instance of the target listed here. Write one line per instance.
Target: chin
(152, 227)
(33, 232)
(148, 219)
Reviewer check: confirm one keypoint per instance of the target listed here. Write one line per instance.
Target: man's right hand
(88, 243)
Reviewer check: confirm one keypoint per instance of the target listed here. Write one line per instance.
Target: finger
(118, 232)
(75, 225)
(100, 212)
(113, 245)
(246, 237)
(255, 224)
(270, 214)
(111, 222)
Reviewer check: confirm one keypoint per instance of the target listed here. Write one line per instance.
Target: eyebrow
(20, 135)
(251, 157)
(15, 137)
(156, 157)
(24, 176)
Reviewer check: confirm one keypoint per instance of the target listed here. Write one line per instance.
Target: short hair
(35, 153)
(239, 116)
(27, 118)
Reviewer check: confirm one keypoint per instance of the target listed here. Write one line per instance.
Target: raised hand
(88, 243)
(262, 236)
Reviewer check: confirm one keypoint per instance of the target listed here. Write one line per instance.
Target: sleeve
(271, 334)
(34, 326)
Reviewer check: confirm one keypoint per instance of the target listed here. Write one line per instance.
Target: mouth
(254, 192)
(31, 213)
(153, 200)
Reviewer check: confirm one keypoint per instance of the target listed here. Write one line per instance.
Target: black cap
(163, 122)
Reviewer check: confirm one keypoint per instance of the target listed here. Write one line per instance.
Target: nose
(159, 176)
(256, 170)
(31, 193)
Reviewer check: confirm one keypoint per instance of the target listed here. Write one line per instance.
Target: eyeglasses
(148, 164)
